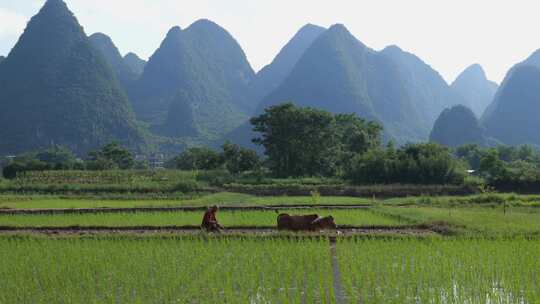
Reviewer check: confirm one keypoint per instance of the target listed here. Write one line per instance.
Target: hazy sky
(449, 35)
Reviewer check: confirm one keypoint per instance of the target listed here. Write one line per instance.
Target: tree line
(307, 142)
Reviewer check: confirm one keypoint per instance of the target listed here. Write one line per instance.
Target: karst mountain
(56, 88)
(474, 86)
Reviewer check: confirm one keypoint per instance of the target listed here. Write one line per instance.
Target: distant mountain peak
(474, 70)
(338, 27)
(534, 59)
(311, 27)
(457, 126)
(393, 48)
(201, 68)
(272, 76)
(473, 85)
(54, 4)
(135, 63)
(63, 87)
(175, 30)
(512, 117)
(208, 27)
(102, 38)
(338, 32)
(204, 23)
(111, 53)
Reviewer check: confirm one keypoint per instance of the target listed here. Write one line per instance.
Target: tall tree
(311, 142)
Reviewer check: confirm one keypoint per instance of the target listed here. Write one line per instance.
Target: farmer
(209, 222)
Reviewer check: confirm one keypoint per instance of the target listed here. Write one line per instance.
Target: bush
(412, 164)
(197, 159)
(187, 186)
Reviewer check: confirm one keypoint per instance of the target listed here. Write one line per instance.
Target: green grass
(487, 199)
(473, 220)
(226, 218)
(436, 270)
(222, 199)
(164, 270)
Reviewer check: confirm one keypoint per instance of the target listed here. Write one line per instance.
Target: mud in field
(192, 230)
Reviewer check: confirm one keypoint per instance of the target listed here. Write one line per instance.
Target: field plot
(222, 199)
(186, 218)
(268, 270)
(434, 270)
(474, 220)
(165, 270)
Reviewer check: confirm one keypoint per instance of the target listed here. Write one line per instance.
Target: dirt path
(338, 286)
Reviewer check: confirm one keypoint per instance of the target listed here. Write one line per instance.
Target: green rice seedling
(474, 220)
(437, 270)
(124, 201)
(164, 270)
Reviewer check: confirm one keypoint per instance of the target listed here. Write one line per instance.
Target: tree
(492, 167)
(238, 159)
(199, 158)
(53, 158)
(297, 141)
(412, 164)
(310, 142)
(470, 153)
(58, 157)
(110, 157)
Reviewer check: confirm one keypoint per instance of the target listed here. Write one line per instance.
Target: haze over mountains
(199, 87)
(340, 74)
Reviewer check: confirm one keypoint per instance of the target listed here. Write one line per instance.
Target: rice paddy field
(268, 270)
(226, 218)
(435, 270)
(222, 199)
(477, 249)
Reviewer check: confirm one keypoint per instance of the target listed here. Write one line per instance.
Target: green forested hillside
(427, 89)
(474, 86)
(272, 75)
(106, 46)
(457, 126)
(58, 89)
(340, 74)
(513, 118)
(135, 63)
(204, 69)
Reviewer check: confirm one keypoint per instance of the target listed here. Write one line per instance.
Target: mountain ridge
(63, 88)
(111, 53)
(474, 86)
(202, 67)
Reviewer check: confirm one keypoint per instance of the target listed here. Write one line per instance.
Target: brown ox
(323, 223)
(295, 222)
